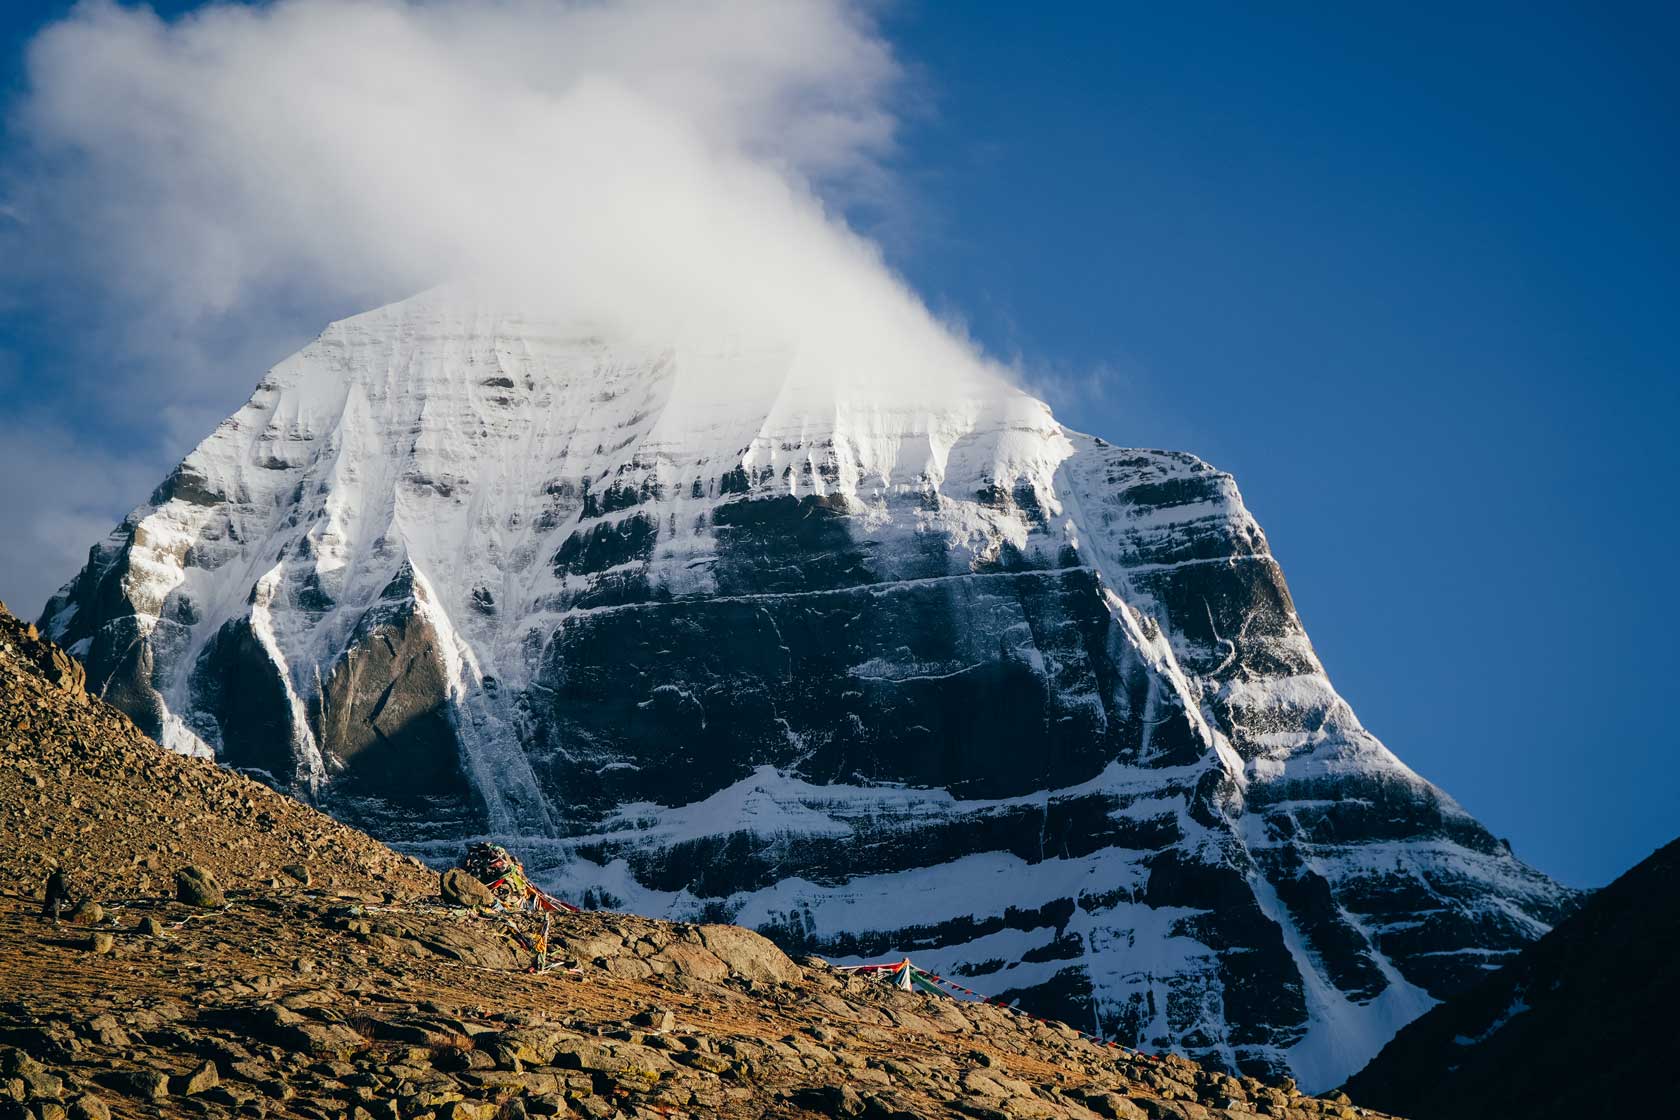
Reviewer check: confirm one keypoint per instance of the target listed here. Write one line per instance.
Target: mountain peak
(872, 655)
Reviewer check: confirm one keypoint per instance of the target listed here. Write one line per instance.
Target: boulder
(196, 886)
(200, 1080)
(830, 1100)
(107, 1030)
(1114, 1106)
(147, 1084)
(612, 1058)
(461, 889)
(692, 960)
(30, 1078)
(467, 1110)
(656, 1019)
(87, 913)
(285, 1028)
(531, 1046)
(750, 955)
(1031, 1108)
(89, 1107)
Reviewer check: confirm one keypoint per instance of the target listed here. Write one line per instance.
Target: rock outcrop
(720, 634)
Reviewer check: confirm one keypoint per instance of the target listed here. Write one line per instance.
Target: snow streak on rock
(716, 631)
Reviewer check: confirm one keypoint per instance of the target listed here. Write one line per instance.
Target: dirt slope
(360, 994)
(82, 788)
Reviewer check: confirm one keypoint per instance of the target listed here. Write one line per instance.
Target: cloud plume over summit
(379, 145)
(200, 193)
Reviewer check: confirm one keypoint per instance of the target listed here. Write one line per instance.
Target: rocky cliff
(871, 664)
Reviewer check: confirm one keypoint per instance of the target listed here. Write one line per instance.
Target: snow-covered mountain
(874, 664)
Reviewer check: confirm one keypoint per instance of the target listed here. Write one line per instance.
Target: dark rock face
(1569, 1027)
(237, 685)
(385, 727)
(696, 695)
(872, 680)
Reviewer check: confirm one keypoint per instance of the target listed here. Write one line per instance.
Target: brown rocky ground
(333, 982)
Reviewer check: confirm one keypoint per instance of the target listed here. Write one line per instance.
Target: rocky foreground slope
(1577, 1025)
(871, 663)
(330, 981)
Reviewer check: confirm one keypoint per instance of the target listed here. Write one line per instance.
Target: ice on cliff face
(877, 660)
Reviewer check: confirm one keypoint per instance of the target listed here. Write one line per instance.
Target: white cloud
(379, 144)
(193, 193)
(61, 491)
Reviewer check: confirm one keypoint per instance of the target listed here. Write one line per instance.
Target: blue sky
(1409, 273)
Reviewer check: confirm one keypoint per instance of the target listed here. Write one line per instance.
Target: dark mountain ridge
(1575, 1025)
